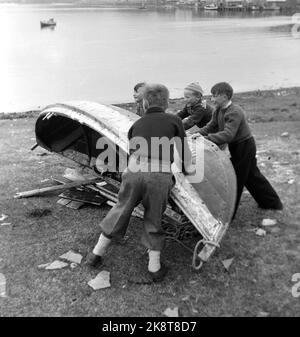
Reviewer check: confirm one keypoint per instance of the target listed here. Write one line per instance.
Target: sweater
(227, 126)
(197, 114)
(157, 123)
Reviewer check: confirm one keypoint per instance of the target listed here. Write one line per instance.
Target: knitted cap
(194, 87)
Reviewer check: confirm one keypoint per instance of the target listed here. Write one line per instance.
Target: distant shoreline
(177, 103)
(133, 5)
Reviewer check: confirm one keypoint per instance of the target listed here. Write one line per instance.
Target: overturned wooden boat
(72, 130)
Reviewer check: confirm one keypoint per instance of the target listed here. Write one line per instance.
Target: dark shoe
(93, 260)
(159, 275)
(278, 207)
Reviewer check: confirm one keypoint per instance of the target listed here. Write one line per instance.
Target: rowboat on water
(73, 129)
(211, 7)
(48, 23)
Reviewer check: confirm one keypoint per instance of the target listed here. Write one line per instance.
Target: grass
(259, 279)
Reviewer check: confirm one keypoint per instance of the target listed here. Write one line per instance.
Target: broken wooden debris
(89, 197)
(41, 191)
(101, 281)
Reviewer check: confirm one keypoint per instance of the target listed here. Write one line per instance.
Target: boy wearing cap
(229, 125)
(196, 111)
(151, 184)
(138, 91)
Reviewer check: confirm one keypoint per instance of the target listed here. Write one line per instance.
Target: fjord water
(99, 54)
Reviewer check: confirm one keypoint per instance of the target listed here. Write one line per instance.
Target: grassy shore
(258, 283)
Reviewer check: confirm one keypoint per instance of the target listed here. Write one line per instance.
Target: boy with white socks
(151, 184)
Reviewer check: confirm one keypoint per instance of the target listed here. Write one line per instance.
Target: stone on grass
(43, 266)
(3, 217)
(260, 232)
(285, 134)
(56, 265)
(72, 257)
(263, 314)
(5, 224)
(291, 181)
(73, 265)
(227, 263)
(101, 281)
(2, 285)
(171, 312)
(269, 222)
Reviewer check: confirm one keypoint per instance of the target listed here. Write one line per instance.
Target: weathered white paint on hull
(209, 205)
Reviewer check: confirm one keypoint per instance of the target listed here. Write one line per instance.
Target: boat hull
(72, 130)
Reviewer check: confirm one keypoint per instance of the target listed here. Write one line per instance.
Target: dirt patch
(39, 212)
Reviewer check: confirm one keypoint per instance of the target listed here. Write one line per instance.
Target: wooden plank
(44, 190)
(85, 196)
(63, 201)
(75, 204)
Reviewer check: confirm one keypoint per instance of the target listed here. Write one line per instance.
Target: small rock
(2, 285)
(72, 257)
(43, 266)
(171, 312)
(3, 217)
(285, 134)
(260, 232)
(269, 222)
(227, 263)
(73, 265)
(6, 224)
(56, 265)
(101, 281)
(291, 181)
(263, 314)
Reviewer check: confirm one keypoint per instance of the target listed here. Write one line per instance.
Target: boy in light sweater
(229, 126)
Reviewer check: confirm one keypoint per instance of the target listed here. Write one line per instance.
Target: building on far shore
(262, 4)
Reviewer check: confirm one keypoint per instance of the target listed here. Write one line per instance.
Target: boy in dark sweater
(229, 125)
(151, 184)
(196, 111)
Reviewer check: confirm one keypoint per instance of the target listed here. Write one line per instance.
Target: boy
(229, 125)
(151, 185)
(196, 111)
(138, 91)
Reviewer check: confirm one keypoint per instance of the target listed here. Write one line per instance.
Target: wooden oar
(41, 191)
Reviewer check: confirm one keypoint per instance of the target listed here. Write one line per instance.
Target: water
(99, 54)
